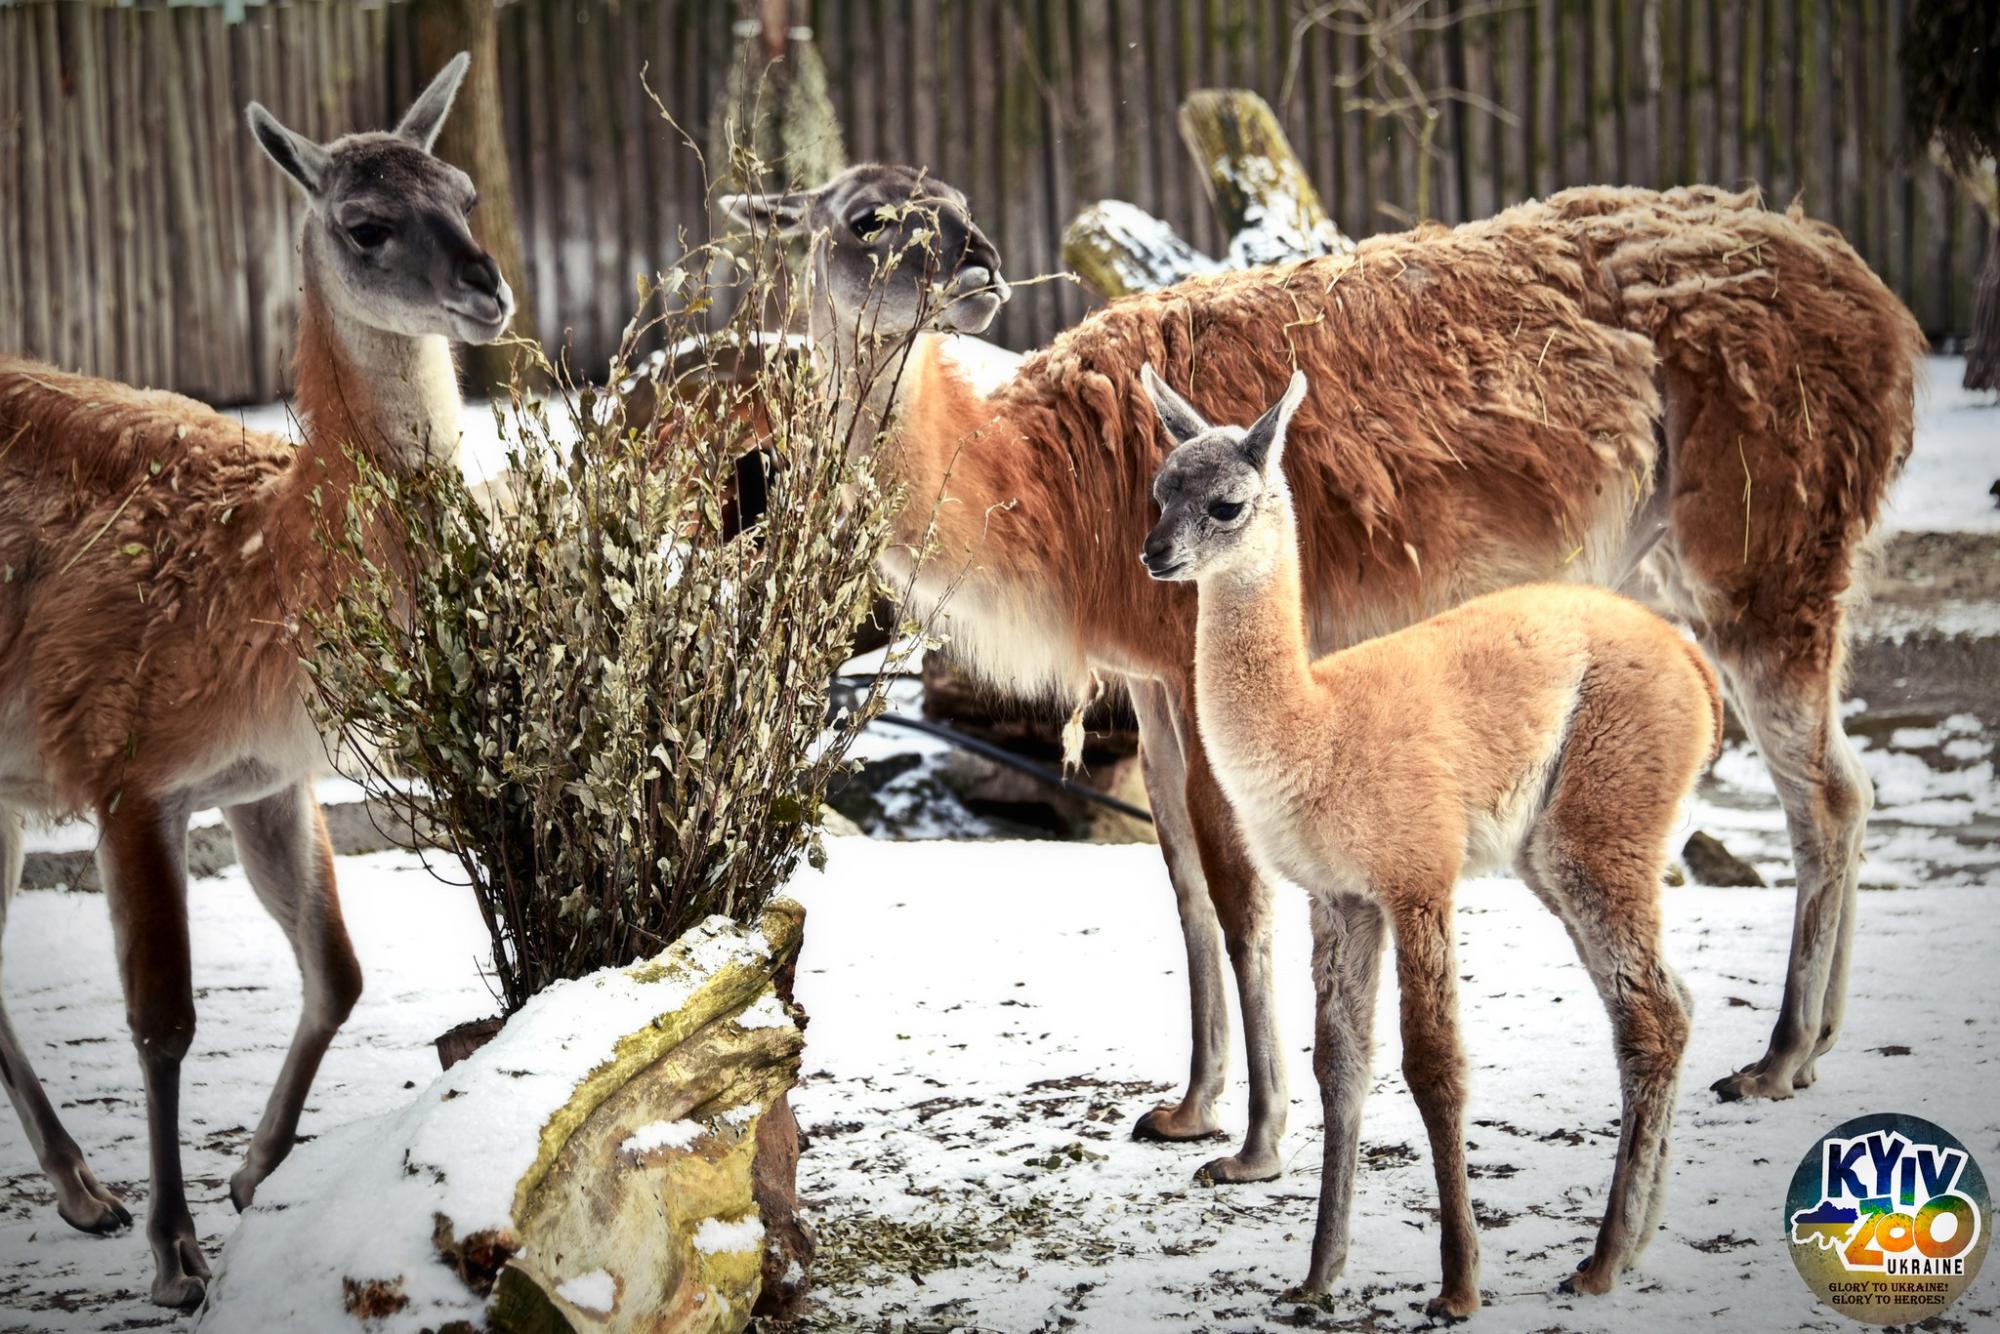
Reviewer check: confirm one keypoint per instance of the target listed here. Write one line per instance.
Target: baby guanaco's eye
(368, 235)
(1224, 510)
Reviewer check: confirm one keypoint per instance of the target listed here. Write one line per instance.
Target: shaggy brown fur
(1489, 407)
(134, 620)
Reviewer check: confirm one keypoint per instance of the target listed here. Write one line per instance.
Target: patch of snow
(663, 1135)
(1945, 487)
(945, 1078)
(766, 1011)
(596, 1291)
(1902, 779)
(715, 1237)
(1949, 619)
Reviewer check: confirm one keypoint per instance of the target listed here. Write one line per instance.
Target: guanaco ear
(421, 123)
(1183, 423)
(303, 160)
(1264, 442)
(780, 213)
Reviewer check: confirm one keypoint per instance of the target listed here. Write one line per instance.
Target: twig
(1746, 498)
(103, 530)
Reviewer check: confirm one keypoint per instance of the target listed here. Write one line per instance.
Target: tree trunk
(1257, 184)
(473, 140)
(1982, 349)
(1118, 249)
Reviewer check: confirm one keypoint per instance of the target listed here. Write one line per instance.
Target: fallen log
(620, 1157)
(1256, 183)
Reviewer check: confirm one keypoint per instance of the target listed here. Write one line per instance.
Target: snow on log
(1258, 186)
(606, 1162)
(1118, 249)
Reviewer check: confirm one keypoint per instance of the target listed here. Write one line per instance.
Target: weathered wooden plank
(37, 336)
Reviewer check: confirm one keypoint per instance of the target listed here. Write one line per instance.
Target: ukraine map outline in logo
(1888, 1219)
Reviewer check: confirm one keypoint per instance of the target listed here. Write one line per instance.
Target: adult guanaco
(157, 560)
(1682, 389)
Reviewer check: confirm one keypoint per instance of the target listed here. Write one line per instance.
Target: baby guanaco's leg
(1347, 966)
(1420, 914)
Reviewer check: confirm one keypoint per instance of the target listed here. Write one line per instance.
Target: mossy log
(597, 1200)
(1256, 182)
(621, 1157)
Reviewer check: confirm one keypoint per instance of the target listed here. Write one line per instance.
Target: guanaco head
(894, 249)
(1219, 488)
(386, 231)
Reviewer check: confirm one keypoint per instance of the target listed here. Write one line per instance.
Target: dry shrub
(613, 712)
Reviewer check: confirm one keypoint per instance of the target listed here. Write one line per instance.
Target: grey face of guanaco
(1217, 482)
(388, 226)
(898, 248)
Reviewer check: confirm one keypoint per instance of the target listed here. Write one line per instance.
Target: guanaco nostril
(481, 274)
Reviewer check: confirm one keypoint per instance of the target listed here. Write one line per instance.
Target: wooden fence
(140, 237)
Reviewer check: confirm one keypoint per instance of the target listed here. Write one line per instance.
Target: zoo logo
(1888, 1219)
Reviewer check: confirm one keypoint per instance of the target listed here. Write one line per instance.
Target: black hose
(1001, 755)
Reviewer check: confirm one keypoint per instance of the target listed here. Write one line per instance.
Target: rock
(1710, 863)
(855, 794)
(353, 826)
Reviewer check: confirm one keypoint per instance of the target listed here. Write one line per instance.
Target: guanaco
(158, 558)
(1554, 726)
(1679, 391)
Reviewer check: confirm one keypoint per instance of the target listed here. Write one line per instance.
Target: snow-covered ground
(1946, 486)
(986, 1023)
(988, 1020)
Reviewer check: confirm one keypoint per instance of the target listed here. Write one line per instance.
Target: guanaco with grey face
(1573, 385)
(160, 558)
(896, 251)
(1556, 727)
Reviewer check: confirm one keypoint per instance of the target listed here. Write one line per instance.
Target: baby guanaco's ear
(1183, 423)
(1264, 442)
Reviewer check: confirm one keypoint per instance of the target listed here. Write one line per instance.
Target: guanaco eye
(867, 222)
(1224, 510)
(368, 235)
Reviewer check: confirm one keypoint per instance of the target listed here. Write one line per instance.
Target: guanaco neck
(852, 356)
(1251, 658)
(359, 389)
